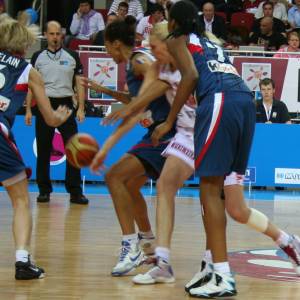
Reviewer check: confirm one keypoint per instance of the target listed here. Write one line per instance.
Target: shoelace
(124, 252)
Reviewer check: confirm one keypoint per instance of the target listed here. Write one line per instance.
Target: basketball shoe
(202, 276)
(27, 271)
(220, 285)
(161, 273)
(293, 252)
(147, 244)
(130, 257)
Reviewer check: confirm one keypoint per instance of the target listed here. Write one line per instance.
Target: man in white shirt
(86, 21)
(146, 24)
(135, 8)
(279, 12)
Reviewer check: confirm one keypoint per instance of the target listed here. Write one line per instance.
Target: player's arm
(151, 89)
(123, 97)
(28, 113)
(51, 117)
(123, 128)
(81, 98)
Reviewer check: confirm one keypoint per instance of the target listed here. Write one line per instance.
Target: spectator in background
(294, 15)
(111, 18)
(146, 24)
(269, 110)
(279, 12)
(134, 8)
(86, 21)
(293, 46)
(212, 22)
(122, 10)
(278, 25)
(268, 38)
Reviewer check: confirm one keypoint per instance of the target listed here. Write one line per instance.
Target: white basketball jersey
(186, 117)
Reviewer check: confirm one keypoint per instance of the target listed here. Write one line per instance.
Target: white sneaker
(202, 276)
(147, 244)
(161, 273)
(293, 252)
(220, 285)
(130, 258)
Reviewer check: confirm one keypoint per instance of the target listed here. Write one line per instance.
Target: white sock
(146, 234)
(208, 257)
(22, 255)
(283, 239)
(222, 268)
(163, 252)
(130, 238)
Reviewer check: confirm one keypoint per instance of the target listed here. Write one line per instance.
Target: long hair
(15, 37)
(121, 30)
(185, 14)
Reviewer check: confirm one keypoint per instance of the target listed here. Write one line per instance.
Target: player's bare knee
(238, 214)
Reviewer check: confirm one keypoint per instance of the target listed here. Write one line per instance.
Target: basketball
(81, 149)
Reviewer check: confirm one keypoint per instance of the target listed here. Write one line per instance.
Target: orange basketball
(81, 149)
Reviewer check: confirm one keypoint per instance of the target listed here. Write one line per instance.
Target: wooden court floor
(78, 246)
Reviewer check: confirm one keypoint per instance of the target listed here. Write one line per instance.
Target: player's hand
(91, 84)
(159, 132)
(122, 113)
(80, 115)
(61, 114)
(97, 163)
(28, 118)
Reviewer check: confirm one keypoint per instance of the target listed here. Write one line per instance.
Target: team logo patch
(272, 264)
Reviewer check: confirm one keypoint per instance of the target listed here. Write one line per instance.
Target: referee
(61, 70)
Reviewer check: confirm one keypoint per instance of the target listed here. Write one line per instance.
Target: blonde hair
(293, 33)
(160, 30)
(15, 37)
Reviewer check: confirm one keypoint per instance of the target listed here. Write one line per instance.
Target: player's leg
(44, 136)
(17, 190)
(141, 218)
(174, 173)
(238, 209)
(127, 168)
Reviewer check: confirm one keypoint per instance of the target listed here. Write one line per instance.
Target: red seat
(103, 12)
(242, 19)
(74, 44)
(221, 14)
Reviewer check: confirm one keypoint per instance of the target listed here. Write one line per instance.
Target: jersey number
(4, 102)
(220, 53)
(2, 77)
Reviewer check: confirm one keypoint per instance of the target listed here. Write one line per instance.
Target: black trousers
(44, 136)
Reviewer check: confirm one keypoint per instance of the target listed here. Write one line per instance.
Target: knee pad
(258, 220)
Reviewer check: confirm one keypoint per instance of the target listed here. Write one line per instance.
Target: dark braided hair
(185, 14)
(122, 30)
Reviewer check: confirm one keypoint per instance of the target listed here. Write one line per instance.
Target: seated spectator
(146, 24)
(279, 11)
(111, 18)
(293, 46)
(134, 8)
(294, 15)
(212, 22)
(86, 21)
(269, 110)
(122, 10)
(278, 25)
(268, 38)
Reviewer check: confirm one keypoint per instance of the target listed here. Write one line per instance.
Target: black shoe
(43, 198)
(27, 271)
(79, 199)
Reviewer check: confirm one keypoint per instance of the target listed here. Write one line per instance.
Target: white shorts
(181, 146)
(234, 178)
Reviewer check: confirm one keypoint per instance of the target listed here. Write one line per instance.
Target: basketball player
(16, 75)
(128, 175)
(224, 127)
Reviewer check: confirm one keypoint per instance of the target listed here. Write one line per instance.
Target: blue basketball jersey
(158, 110)
(14, 72)
(216, 72)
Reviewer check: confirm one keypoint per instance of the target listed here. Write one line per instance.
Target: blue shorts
(150, 156)
(224, 129)
(11, 162)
